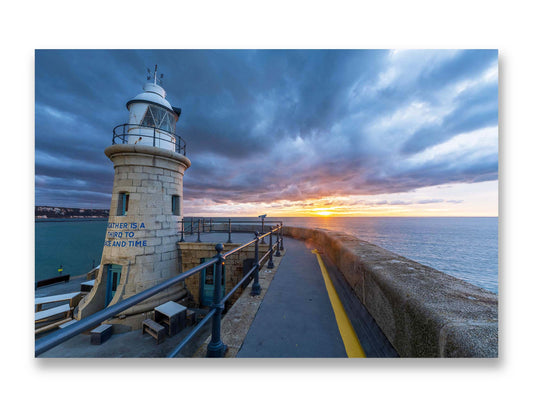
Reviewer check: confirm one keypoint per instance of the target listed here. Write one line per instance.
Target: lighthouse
(146, 207)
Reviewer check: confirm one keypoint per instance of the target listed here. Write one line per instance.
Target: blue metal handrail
(121, 134)
(213, 310)
(58, 337)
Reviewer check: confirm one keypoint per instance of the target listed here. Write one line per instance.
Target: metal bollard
(198, 240)
(262, 230)
(256, 288)
(270, 262)
(182, 231)
(229, 231)
(278, 254)
(281, 230)
(216, 348)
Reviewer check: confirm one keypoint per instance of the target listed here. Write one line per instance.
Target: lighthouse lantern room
(152, 120)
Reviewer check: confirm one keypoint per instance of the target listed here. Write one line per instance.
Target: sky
(283, 132)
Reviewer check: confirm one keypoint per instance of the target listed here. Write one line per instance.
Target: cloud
(273, 126)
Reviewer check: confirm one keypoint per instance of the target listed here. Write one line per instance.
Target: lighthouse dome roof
(153, 93)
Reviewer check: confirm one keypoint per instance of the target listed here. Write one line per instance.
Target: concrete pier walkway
(296, 318)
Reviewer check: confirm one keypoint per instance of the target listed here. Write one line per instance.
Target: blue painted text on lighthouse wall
(117, 231)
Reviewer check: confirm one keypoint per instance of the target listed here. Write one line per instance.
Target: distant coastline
(51, 213)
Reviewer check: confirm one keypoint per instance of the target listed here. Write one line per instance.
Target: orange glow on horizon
(439, 201)
(307, 210)
(324, 213)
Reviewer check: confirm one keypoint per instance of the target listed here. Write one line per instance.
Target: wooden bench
(91, 275)
(53, 325)
(51, 313)
(87, 286)
(154, 329)
(53, 280)
(72, 298)
(68, 323)
(171, 315)
(101, 334)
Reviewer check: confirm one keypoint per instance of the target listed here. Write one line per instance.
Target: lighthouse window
(158, 114)
(166, 123)
(148, 119)
(176, 208)
(123, 201)
(159, 118)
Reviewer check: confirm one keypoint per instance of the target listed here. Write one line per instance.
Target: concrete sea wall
(422, 311)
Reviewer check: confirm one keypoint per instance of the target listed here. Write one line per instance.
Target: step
(101, 334)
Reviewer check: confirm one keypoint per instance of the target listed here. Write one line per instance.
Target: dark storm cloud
(269, 125)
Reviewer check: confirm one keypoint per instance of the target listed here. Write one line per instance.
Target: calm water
(466, 248)
(73, 244)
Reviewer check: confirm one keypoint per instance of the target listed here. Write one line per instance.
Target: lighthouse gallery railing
(216, 347)
(123, 132)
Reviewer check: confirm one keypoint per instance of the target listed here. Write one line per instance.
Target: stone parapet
(422, 311)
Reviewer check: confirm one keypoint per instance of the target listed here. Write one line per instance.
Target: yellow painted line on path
(349, 337)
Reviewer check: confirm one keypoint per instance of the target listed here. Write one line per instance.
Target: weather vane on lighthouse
(160, 80)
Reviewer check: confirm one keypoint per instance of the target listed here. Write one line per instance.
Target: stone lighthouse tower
(140, 244)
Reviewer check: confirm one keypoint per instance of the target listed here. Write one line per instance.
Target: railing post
(216, 348)
(198, 240)
(229, 231)
(262, 227)
(256, 288)
(270, 262)
(281, 229)
(210, 225)
(278, 254)
(182, 230)
(154, 136)
(192, 226)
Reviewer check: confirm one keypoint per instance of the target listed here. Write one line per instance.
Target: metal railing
(191, 226)
(195, 225)
(216, 347)
(123, 132)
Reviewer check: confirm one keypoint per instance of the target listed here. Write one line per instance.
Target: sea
(464, 247)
